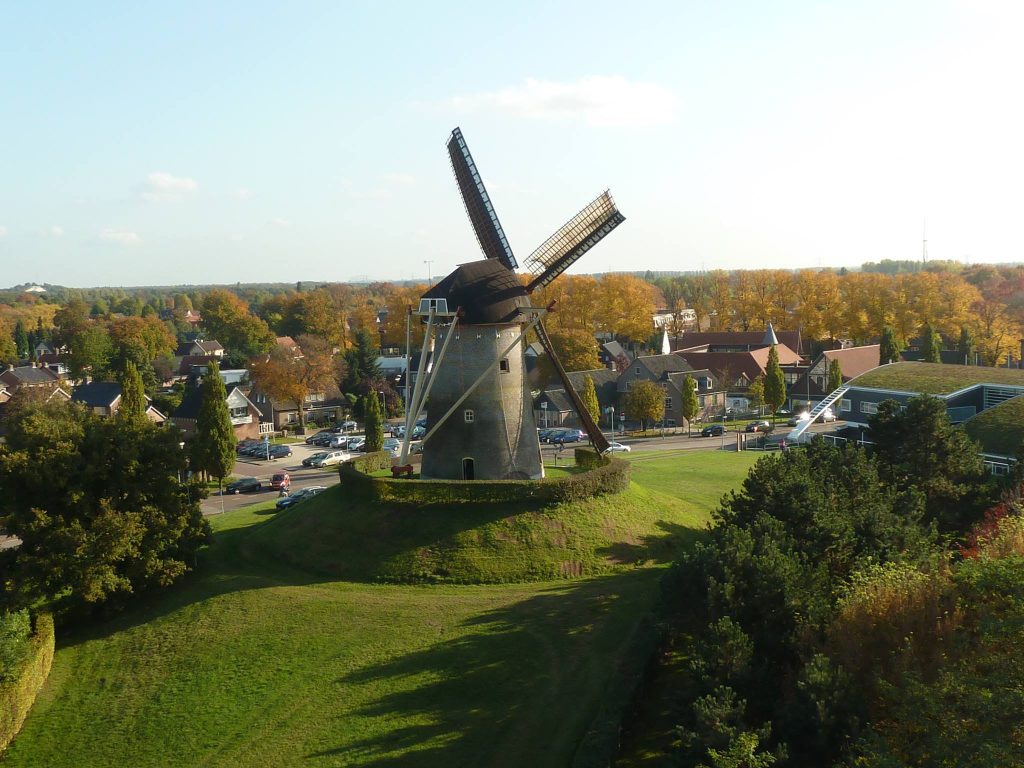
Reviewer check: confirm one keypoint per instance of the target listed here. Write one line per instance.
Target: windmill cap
(487, 291)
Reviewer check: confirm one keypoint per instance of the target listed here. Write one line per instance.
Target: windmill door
(467, 469)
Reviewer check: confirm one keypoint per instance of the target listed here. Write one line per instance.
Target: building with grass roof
(967, 389)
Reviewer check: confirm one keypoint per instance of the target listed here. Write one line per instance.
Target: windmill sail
(597, 438)
(485, 222)
(581, 233)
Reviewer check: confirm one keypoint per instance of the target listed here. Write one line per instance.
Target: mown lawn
(255, 661)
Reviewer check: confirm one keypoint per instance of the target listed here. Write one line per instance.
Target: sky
(224, 142)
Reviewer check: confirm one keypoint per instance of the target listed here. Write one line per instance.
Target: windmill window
(467, 416)
(637, 370)
(668, 403)
(503, 365)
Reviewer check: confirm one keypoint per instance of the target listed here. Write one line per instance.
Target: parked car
(761, 425)
(348, 426)
(280, 451)
(331, 458)
(356, 444)
(244, 485)
(666, 423)
(311, 440)
(308, 461)
(281, 481)
(714, 430)
(300, 495)
(245, 444)
(617, 448)
(338, 441)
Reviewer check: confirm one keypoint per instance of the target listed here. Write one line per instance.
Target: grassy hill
(264, 658)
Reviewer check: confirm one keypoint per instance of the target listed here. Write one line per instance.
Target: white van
(334, 457)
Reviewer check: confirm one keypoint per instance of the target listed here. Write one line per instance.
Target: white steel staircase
(797, 432)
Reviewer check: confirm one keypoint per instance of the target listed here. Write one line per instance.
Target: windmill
(481, 423)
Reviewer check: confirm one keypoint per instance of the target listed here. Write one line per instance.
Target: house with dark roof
(670, 372)
(245, 416)
(553, 408)
(200, 347)
(22, 376)
(276, 414)
(613, 355)
(812, 384)
(737, 370)
(103, 398)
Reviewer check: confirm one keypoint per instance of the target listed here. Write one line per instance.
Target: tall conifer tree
(133, 396)
(214, 442)
(774, 382)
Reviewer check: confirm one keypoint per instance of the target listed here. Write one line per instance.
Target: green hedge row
(18, 692)
(605, 475)
(371, 462)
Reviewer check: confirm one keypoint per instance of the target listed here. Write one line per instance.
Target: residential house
(553, 408)
(103, 398)
(28, 376)
(613, 355)
(193, 318)
(194, 366)
(200, 348)
(276, 414)
(737, 370)
(42, 348)
(245, 416)
(670, 372)
(55, 362)
(812, 385)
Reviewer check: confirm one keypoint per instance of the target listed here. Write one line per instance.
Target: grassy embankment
(264, 657)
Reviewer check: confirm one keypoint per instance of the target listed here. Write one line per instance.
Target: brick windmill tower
(480, 423)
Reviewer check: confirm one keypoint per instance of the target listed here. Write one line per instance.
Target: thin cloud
(282, 223)
(597, 100)
(3, 231)
(120, 237)
(243, 193)
(383, 187)
(162, 187)
(56, 231)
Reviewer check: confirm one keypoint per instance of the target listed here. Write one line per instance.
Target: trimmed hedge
(607, 475)
(370, 462)
(19, 691)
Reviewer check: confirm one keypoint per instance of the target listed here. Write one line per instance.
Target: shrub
(890, 608)
(18, 691)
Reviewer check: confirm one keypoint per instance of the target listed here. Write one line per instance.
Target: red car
(281, 481)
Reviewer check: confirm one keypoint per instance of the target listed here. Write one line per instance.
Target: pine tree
(690, 404)
(835, 375)
(888, 347)
(931, 344)
(374, 423)
(774, 382)
(21, 340)
(966, 347)
(133, 398)
(214, 442)
(590, 402)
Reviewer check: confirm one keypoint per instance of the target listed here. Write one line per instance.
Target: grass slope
(254, 662)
